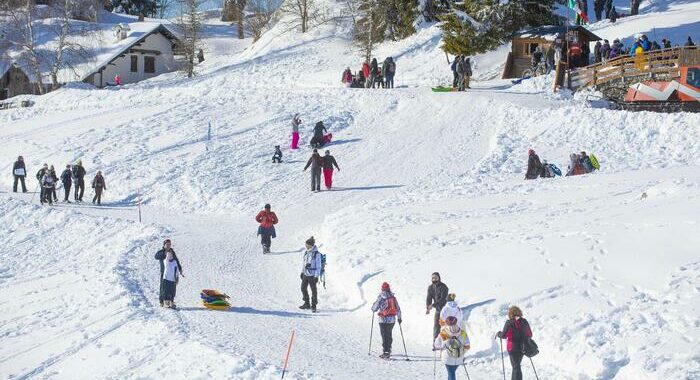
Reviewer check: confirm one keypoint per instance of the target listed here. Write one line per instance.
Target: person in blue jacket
(67, 179)
(310, 272)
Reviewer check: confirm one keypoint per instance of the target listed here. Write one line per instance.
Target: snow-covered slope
(429, 182)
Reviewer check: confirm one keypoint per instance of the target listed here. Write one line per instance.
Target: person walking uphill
(67, 179)
(436, 299)
(266, 230)
(516, 331)
(453, 343)
(19, 171)
(160, 256)
(310, 272)
(316, 163)
(99, 184)
(328, 164)
(387, 308)
(296, 122)
(79, 176)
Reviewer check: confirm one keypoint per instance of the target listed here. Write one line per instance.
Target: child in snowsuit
(586, 162)
(515, 331)
(453, 343)
(98, 183)
(171, 276)
(387, 308)
(277, 157)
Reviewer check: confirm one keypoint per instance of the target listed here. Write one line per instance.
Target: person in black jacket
(328, 164)
(374, 73)
(67, 179)
(316, 163)
(436, 299)
(39, 177)
(79, 176)
(19, 171)
(317, 140)
(160, 256)
(534, 166)
(52, 171)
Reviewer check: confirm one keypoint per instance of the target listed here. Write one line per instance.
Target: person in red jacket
(365, 72)
(516, 330)
(266, 230)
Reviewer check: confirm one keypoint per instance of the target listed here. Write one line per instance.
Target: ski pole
(434, 363)
(503, 361)
(286, 359)
(465, 370)
(533, 368)
(371, 330)
(404, 343)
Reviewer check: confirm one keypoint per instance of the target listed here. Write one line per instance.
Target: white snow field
(606, 266)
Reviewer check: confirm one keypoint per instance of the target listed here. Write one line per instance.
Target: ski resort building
(526, 42)
(141, 53)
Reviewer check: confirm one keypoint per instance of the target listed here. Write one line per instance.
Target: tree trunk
(634, 7)
(239, 16)
(229, 12)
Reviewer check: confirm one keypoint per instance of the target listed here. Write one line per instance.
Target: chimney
(122, 31)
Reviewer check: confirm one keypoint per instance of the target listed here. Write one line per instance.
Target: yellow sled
(215, 307)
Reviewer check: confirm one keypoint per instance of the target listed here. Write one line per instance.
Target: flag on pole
(576, 6)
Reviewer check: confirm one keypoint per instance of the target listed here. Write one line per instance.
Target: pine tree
(380, 20)
(135, 7)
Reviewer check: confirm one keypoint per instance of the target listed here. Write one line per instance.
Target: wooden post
(595, 78)
(286, 358)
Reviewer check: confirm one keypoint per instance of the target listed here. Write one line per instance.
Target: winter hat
(166, 241)
(385, 287)
(311, 241)
(451, 320)
(436, 274)
(267, 206)
(530, 152)
(46, 165)
(451, 297)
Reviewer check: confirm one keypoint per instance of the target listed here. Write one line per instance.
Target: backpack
(529, 346)
(455, 349)
(594, 162)
(390, 310)
(40, 174)
(555, 169)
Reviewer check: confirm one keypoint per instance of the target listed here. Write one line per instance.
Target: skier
(388, 71)
(516, 330)
(48, 184)
(328, 163)
(451, 309)
(66, 178)
(387, 308)
(296, 121)
(266, 229)
(277, 157)
(52, 171)
(98, 183)
(453, 342)
(455, 74)
(310, 272)
(436, 299)
(79, 177)
(171, 276)
(575, 167)
(534, 166)
(19, 171)
(317, 139)
(160, 256)
(40, 177)
(316, 162)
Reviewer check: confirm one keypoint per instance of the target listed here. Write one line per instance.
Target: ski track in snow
(428, 182)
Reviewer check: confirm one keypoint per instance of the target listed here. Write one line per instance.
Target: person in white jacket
(171, 276)
(310, 272)
(452, 309)
(453, 343)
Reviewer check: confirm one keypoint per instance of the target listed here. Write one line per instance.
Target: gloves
(399, 320)
(499, 334)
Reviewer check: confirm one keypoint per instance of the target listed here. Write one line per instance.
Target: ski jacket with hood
(437, 295)
(515, 332)
(19, 165)
(382, 303)
(78, 171)
(451, 309)
(452, 343)
(312, 263)
(172, 268)
(267, 219)
(315, 161)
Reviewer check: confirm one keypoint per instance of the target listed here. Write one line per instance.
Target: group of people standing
(461, 71)
(371, 75)
(579, 163)
(48, 181)
(449, 327)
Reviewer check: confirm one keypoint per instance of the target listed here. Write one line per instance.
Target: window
(4, 93)
(694, 77)
(134, 63)
(149, 65)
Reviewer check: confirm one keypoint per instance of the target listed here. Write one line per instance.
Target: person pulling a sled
(515, 331)
(310, 272)
(453, 343)
(266, 229)
(387, 308)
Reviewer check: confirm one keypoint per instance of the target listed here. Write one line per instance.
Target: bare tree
(303, 14)
(163, 7)
(261, 14)
(233, 11)
(190, 25)
(634, 7)
(17, 28)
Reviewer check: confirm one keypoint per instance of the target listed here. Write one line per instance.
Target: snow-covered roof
(551, 32)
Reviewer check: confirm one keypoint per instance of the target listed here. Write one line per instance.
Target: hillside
(429, 182)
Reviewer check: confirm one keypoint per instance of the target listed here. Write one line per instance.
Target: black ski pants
(516, 357)
(169, 288)
(436, 323)
(79, 189)
(387, 338)
(316, 179)
(306, 282)
(66, 191)
(265, 240)
(19, 178)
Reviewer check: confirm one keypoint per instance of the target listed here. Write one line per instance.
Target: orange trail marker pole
(286, 358)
